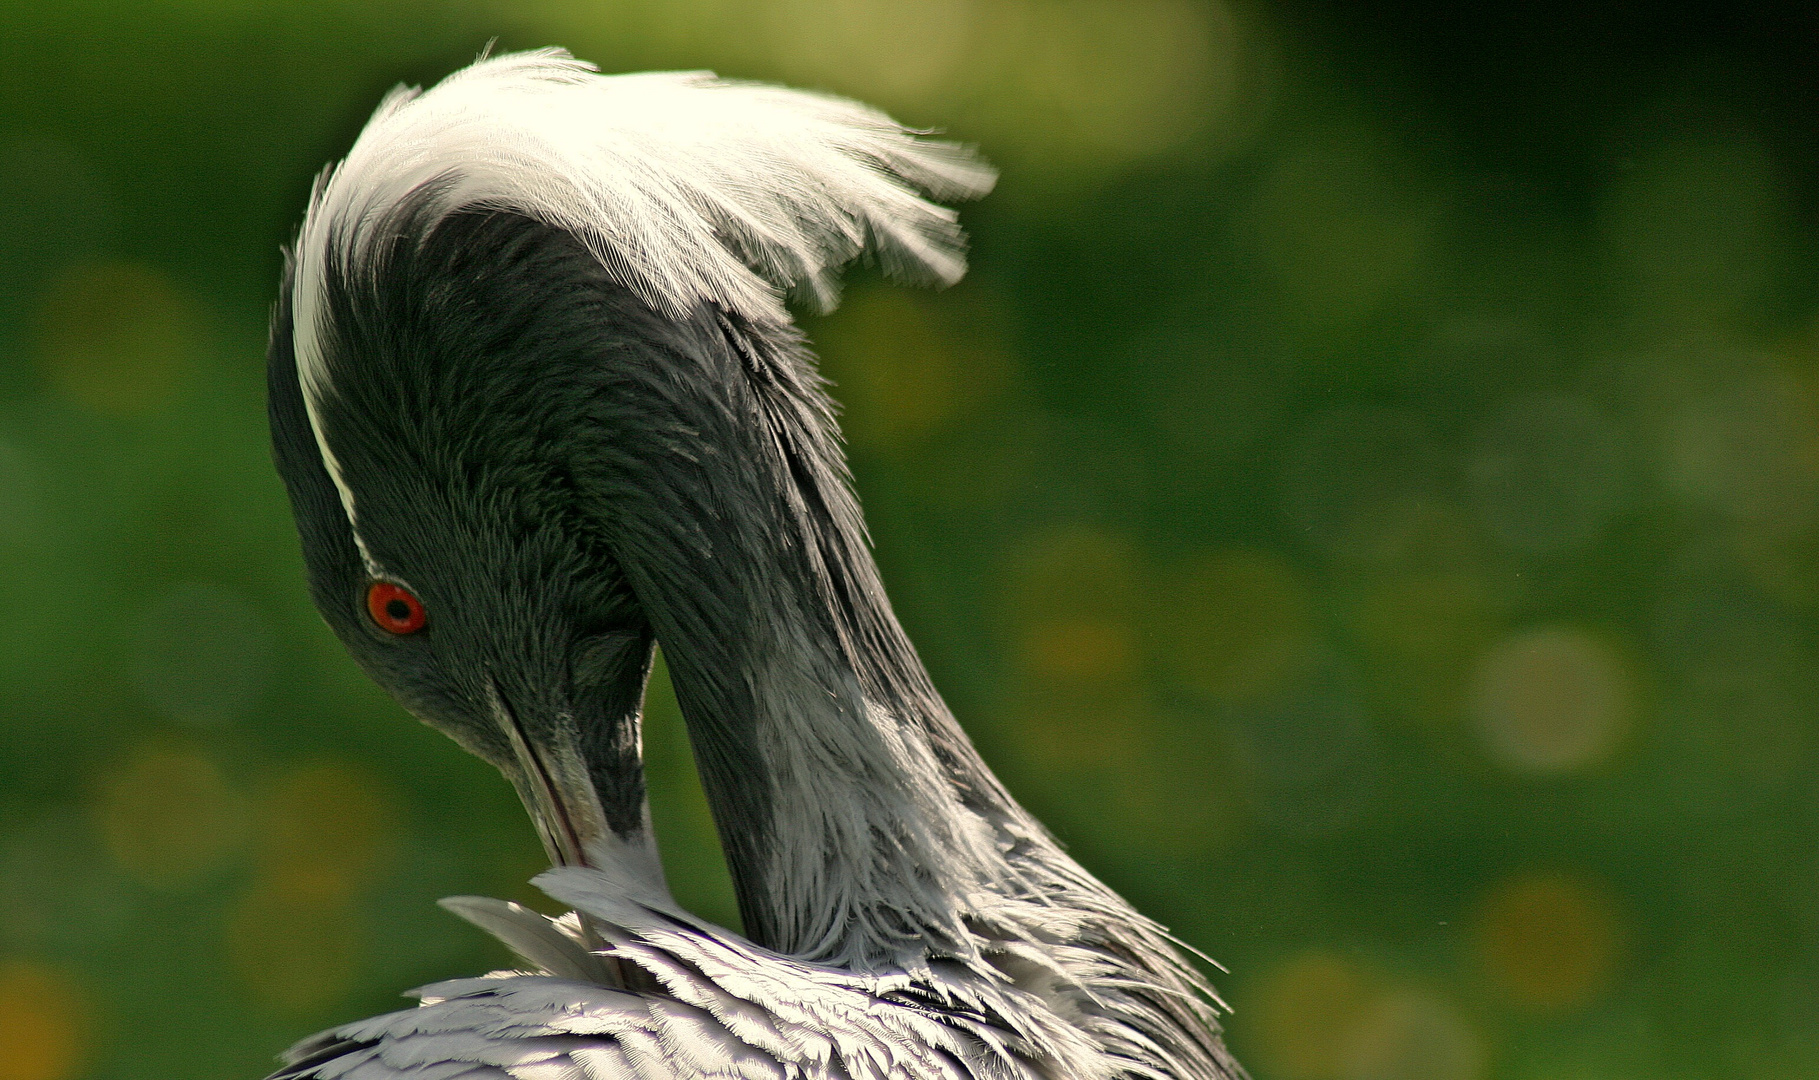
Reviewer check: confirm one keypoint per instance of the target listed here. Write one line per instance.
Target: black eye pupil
(398, 610)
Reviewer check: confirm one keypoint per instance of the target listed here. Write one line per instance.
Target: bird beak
(555, 789)
(555, 782)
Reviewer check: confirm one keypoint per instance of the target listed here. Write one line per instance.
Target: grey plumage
(721, 1008)
(483, 392)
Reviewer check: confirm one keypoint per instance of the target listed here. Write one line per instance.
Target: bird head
(446, 542)
(531, 385)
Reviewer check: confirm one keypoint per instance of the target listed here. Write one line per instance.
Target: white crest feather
(688, 188)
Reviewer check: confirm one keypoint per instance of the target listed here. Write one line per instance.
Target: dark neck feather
(853, 810)
(861, 827)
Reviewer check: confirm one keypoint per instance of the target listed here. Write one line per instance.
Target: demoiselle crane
(539, 405)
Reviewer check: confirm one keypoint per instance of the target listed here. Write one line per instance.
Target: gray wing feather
(603, 1062)
(531, 936)
(439, 1070)
(720, 1008)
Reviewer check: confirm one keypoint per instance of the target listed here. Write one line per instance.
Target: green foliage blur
(1365, 499)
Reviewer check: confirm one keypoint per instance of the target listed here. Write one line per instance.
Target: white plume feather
(688, 188)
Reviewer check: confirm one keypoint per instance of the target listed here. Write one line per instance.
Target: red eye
(394, 608)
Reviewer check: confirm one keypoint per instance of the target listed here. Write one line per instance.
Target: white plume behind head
(688, 188)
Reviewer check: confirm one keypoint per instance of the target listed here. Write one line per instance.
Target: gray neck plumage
(860, 826)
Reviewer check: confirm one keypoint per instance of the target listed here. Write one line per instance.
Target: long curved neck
(860, 826)
(856, 817)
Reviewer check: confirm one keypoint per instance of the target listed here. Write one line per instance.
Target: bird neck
(857, 820)
(861, 828)
(846, 819)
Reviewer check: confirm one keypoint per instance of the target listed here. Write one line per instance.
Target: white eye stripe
(311, 396)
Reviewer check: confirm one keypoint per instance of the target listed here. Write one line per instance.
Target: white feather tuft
(688, 188)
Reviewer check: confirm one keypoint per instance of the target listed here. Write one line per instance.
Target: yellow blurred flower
(1295, 1016)
(42, 1022)
(1411, 1034)
(1322, 1016)
(168, 816)
(295, 939)
(1084, 648)
(1078, 699)
(326, 828)
(328, 823)
(1549, 940)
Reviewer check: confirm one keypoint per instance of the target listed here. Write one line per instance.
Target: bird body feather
(700, 1003)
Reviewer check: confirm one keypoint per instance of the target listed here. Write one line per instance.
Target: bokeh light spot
(332, 823)
(1077, 698)
(1182, 798)
(1695, 226)
(1074, 571)
(115, 336)
(1413, 534)
(295, 939)
(204, 655)
(1236, 625)
(326, 828)
(1071, 723)
(1752, 448)
(1296, 1014)
(1422, 616)
(1551, 700)
(168, 816)
(887, 50)
(1113, 78)
(42, 1023)
(1322, 1016)
(1080, 648)
(1315, 764)
(1412, 1035)
(59, 889)
(1549, 940)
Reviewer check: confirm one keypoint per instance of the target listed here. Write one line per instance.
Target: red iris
(394, 608)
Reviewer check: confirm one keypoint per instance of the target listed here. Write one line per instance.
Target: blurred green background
(1365, 499)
